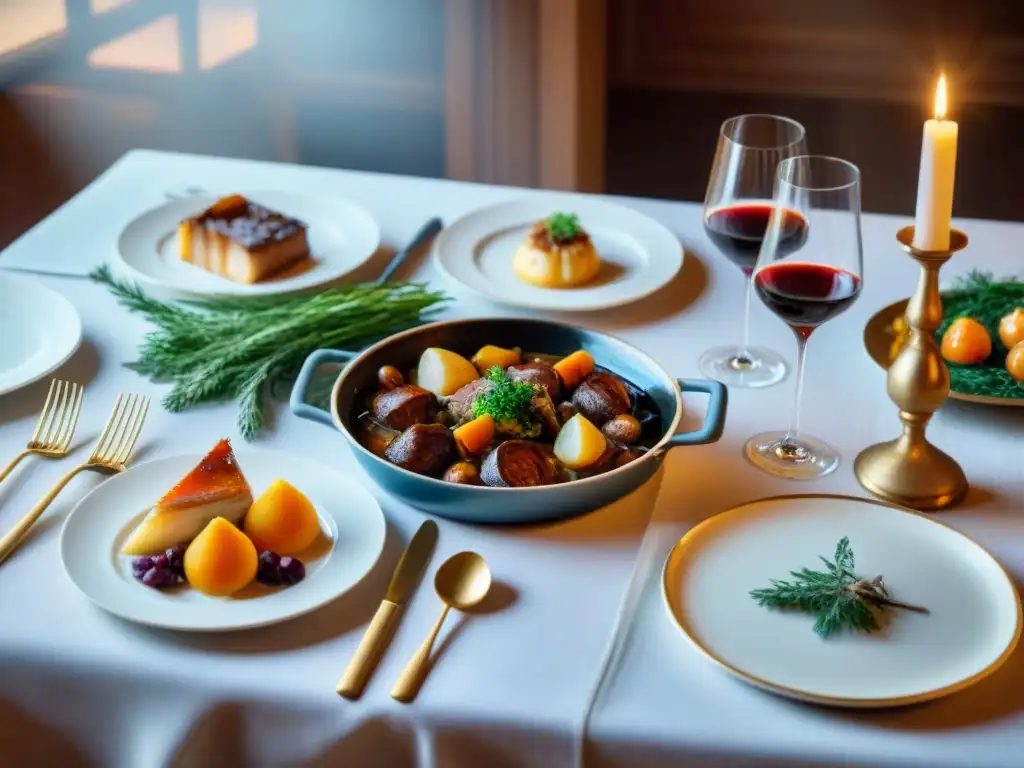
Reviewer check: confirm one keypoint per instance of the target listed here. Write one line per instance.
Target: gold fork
(56, 425)
(109, 457)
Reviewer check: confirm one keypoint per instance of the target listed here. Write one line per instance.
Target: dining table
(573, 659)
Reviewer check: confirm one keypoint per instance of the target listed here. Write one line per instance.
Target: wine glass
(736, 210)
(817, 199)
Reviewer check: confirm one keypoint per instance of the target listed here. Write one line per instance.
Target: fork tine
(106, 430)
(52, 412)
(46, 407)
(132, 433)
(64, 441)
(61, 412)
(117, 433)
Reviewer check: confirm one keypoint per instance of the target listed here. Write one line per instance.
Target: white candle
(935, 179)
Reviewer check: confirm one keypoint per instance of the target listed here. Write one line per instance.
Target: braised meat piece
(401, 407)
(426, 449)
(517, 464)
(601, 397)
(460, 404)
(540, 373)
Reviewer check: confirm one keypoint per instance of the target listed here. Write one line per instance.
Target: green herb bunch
(979, 296)
(563, 227)
(510, 404)
(836, 596)
(224, 349)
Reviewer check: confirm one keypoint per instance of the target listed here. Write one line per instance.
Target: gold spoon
(461, 582)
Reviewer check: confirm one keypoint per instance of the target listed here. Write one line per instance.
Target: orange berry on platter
(966, 342)
(1015, 361)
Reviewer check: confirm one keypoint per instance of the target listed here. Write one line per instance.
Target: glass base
(800, 458)
(755, 367)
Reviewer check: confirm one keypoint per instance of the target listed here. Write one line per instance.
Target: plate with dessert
(559, 252)
(254, 244)
(221, 542)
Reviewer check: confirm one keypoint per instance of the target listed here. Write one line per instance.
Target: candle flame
(940, 98)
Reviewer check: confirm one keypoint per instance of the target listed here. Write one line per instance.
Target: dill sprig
(563, 227)
(836, 596)
(226, 349)
(510, 404)
(980, 296)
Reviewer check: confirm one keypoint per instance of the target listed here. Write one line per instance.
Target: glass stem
(745, 348)
(794, 424)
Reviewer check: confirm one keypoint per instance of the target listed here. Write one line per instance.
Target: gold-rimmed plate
(882, 345)
(973, 625)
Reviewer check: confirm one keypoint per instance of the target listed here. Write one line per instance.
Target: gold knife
(403, 582)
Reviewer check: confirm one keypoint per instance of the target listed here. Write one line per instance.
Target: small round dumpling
(550, 263)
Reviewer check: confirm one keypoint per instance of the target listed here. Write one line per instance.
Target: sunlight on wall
(226, 30)
(151, 48)
(23, 22)
(102, 6)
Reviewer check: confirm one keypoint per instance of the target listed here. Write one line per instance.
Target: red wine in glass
(738, 208)
(807, 289)
(737, 230)
(806, 295)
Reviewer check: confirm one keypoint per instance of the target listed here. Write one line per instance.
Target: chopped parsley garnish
(510, 404)
(563, 226)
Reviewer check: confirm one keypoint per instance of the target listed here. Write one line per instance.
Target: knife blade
(404, 581)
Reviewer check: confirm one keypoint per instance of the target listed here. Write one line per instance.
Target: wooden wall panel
(525, 92)
(878, 49)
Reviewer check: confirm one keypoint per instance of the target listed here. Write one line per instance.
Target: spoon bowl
(463, 580)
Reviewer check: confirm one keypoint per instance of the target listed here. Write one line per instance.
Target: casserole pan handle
(297, 401)
(714, 419)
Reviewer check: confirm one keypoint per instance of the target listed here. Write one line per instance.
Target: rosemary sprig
(837, 596)
(224, 349)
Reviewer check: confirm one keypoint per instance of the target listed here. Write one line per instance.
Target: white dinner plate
(973, 625)
(100, 523)
(342, 236)
(39, 331)
(638, 254)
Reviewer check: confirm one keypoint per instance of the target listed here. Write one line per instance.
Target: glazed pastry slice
(215, 488)
(241, 240)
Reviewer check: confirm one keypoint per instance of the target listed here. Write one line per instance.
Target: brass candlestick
(909, 470)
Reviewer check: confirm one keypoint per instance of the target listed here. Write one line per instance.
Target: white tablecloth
(78, 687)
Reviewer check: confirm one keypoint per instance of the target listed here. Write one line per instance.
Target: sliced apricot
(282, 520)
(220, 560)
(966, 341)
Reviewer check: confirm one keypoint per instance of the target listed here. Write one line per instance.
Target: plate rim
(894, 307)
(239, 627)
(39, 286)
(511, 300)
(142, 277)
(841, 701)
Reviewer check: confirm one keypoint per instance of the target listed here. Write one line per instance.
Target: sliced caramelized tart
(215, 488)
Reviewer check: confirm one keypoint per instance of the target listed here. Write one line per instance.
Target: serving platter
(879, 340)
(352, 527)
(973, 624)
